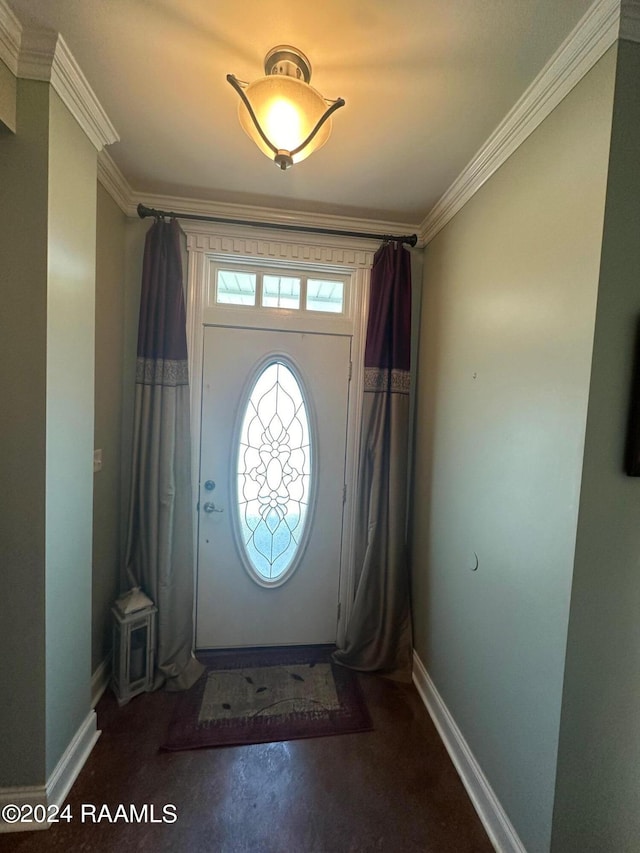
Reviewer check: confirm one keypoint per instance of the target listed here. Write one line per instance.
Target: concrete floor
(393, 789)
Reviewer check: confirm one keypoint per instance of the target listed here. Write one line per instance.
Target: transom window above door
(280, 290)
(272, 295)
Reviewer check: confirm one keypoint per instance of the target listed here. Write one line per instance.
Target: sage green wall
(599, 760)
(70, 416)
(23, 358)
(109, 359)
(8, 90)
(48, 176)
(507, 325)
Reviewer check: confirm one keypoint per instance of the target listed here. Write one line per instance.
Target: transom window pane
(274, 472)
(236, 288)
(280, 292)
(323, 295)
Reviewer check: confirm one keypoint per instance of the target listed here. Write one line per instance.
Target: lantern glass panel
(116, 653)
(138, 653)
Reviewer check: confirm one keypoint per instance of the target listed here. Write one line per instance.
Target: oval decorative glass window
(274, 474)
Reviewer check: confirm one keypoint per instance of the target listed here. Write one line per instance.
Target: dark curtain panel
(379, 636)
(160, 539)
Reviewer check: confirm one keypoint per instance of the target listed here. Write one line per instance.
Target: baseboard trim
(59, 783)
(494, 818)
(100, 680)
(73, 760)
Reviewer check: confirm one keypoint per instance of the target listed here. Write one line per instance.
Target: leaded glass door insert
(274, 474)
(272, 465)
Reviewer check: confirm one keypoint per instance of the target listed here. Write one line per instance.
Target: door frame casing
(209, 242)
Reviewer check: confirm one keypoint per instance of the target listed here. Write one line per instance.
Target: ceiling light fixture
(286, 117)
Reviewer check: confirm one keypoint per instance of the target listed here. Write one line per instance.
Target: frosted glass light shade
(287, 111)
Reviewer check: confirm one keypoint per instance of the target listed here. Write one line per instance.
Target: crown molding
(10, 38)
(252, 213)
(590, 39)
(630, 20)
(44, 55)
(127, 199)
(114, 181)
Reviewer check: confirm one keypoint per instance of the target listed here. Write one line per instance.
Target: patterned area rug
(262, 695)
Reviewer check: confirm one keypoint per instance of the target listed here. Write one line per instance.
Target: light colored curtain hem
(379, 636)
(160, 552)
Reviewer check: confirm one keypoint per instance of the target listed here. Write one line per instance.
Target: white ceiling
(425, 81)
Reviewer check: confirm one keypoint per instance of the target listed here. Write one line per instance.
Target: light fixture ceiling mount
(286, 117)
(289, 61)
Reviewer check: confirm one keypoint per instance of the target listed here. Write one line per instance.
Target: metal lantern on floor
(134, 626)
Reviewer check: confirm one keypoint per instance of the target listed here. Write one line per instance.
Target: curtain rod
(144, 211)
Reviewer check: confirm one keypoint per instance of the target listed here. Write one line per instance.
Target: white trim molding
(100, 680)
(277, 216)
(128, 199)
(207, 242)
(44, 55)
(59, 783)
(244, 242)
(604, 22)
(590, 39)
(494, 818)
(10, 38)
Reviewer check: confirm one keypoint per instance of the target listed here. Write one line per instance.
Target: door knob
(211, 507)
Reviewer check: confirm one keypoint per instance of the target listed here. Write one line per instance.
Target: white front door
(271, 492)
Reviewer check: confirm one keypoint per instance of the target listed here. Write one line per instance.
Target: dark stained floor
(393, 789)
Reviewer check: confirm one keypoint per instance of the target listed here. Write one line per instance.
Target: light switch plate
(97, 461)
